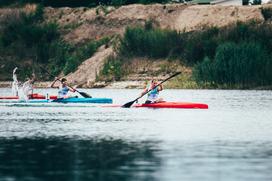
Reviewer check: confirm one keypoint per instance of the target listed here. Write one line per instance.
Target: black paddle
(127, 105)
(83, 94)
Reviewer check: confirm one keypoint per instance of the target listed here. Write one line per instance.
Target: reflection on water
(72, 159)
(219, 160)
(116, 159)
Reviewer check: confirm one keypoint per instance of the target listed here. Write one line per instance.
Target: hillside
(80, 25)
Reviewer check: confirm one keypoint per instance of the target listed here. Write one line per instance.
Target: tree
(256, 2)
(245, 2)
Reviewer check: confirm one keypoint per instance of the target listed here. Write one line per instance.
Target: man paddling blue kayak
(83, 94)
(63, 88)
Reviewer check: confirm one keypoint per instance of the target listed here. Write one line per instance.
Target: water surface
(229, 141)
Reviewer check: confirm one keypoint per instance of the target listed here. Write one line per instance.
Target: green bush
(245, 2)
(118, 2)
(204, 71)
(25, 29)
(57, 53)
(88, 49)
(154, 43)
(257, 2)
(80, 54)
(26, 38)
(267, 13)
(113, 68)
(71, 65)
(191, 46)
(38, 14)
(246, 64)
(157, 43)
(199, 44)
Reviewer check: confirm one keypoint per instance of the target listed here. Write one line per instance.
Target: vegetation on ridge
(28, 42)
(237, 55)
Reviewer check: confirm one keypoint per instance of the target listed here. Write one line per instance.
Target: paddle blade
(85, 95)
(128, 105)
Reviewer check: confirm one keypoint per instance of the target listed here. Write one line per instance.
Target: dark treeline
(238, 55)
(79, 3)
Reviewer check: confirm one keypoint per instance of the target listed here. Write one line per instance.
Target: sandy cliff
(83, 24)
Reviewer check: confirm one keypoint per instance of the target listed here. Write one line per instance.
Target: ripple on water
(229, 141)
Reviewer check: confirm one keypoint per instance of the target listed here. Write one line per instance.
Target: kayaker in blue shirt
(63, 88)
(153, 95)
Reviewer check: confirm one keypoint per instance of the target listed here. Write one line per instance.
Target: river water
(229, 141)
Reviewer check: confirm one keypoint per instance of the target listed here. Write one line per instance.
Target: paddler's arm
(160, 87)
(72, 89)
(53, 83)
(145, 90)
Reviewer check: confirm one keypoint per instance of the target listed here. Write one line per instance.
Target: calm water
(229, 141)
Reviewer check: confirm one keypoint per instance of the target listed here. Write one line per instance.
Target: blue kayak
(67, 100)
(84, 100)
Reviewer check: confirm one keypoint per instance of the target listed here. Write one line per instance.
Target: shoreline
(112, 85)
(8, 84)
(134, 84)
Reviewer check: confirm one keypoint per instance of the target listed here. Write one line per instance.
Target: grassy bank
(236, 56)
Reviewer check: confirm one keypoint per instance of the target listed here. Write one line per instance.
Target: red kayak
(9, 97)
(178, 105)
(31, 96)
